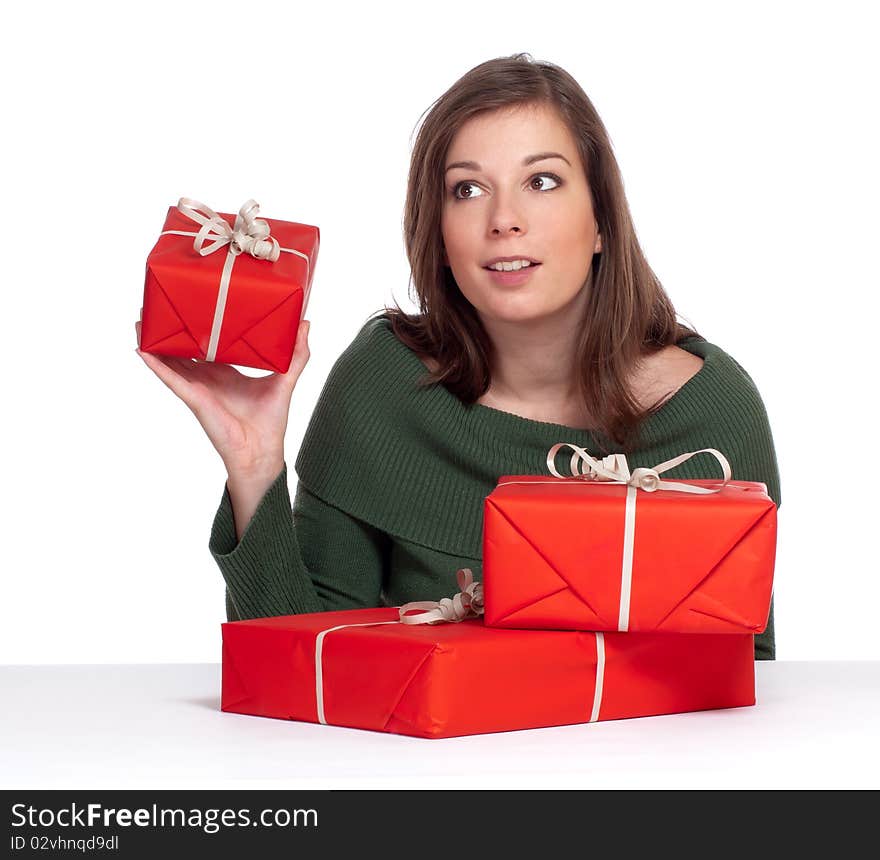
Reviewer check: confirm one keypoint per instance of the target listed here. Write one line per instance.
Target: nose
(505, 218)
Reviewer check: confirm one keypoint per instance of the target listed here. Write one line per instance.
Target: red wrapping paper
(444, 680)
(265, 303)
(553, 551)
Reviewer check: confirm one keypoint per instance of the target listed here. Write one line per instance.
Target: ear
(597, 248)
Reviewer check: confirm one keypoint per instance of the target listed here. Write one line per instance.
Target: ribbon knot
(249, 234)
(468, 603)
(645, 479)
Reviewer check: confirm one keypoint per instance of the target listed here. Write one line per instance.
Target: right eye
(461, 185)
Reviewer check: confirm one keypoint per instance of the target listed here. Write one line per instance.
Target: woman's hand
(245, 417)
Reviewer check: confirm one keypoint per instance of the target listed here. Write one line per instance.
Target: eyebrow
(530, 159)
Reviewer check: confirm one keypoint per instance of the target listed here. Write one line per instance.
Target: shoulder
(725, 410)
(719, 368)
(374, 335)
(722, 385)
(660, 375)
(366, 395)
(678, 364)
(382, 449)
(373, 362)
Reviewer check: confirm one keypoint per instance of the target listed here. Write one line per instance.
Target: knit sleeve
(730, 416)
(755, 451)
(309, 557)
(764, 467)
(747, 439)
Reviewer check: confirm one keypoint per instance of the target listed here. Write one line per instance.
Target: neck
(534, 362)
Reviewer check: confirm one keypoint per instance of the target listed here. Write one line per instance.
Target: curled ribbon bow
(468, 603)
(614, 468)
(249, 235)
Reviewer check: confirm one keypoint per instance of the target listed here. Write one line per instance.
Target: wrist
(256, 471)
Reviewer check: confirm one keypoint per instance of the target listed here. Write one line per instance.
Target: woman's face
(507, 203)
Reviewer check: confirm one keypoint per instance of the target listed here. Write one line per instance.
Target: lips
(513, 278)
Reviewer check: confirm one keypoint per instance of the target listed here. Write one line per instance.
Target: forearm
(262, 564)
(246, 489)
(312, 559)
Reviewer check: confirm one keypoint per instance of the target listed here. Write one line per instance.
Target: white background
(748, 143)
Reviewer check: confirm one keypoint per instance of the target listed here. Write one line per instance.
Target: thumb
(300, 351)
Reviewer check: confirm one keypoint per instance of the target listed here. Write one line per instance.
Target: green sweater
(392, 478)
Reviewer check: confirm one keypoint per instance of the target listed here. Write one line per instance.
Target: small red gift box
(628, 551)
(366, 669)
(231, 289)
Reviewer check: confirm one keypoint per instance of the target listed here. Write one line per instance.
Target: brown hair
(628, 314)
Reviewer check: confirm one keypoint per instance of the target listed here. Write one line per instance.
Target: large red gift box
(631, 553)
(226, 288)
(365, 669)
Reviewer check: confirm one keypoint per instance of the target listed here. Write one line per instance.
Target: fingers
(164, 369)
(301, 353)
(177, 372)
(173, 380)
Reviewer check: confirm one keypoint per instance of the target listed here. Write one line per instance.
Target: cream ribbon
(319, 662)
(614, 469)
(249, 235)
(600, 677)
(467, 603)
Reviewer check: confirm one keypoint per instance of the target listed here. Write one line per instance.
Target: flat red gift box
(555, 556)
(256, 322)
(444, 680)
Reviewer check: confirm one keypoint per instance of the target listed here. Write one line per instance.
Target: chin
(520, 309)
(538, 307)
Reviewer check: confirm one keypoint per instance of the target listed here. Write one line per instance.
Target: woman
(512, 170)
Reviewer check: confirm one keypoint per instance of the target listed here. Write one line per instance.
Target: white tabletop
(816, 724)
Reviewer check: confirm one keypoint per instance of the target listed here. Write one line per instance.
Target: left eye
(543, 177)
